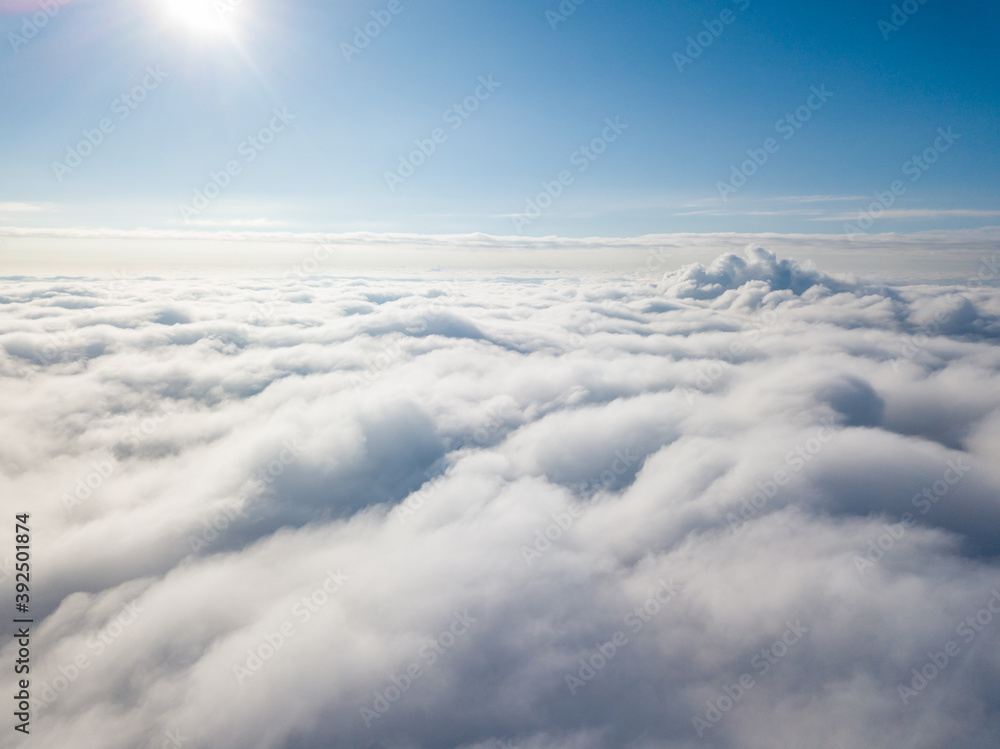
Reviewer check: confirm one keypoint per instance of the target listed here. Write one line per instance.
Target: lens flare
(201, 16)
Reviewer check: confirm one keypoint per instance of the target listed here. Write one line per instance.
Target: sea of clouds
(745, 505)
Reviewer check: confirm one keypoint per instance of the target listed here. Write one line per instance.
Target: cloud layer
(745, 505)
(945, 255)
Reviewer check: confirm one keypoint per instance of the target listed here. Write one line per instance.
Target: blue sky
(555, 80)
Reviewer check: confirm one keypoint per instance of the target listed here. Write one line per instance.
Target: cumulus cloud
(759, 270)
(743, 505)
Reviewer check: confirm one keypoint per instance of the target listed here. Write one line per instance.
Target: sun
(201, 16)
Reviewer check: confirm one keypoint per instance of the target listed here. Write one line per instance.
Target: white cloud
(505, 474)
(951, 254)
(236, 223)
(25, 207)
(917, 214)
(819, 198)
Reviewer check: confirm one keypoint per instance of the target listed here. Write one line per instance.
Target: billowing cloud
(746, 505)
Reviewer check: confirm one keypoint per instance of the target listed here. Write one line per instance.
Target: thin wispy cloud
(238, 223)
(15, 208)
(818, 198)
(918, 214)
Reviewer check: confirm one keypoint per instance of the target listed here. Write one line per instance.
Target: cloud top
(742, 505)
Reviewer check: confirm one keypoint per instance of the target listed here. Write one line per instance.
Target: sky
(743, 117)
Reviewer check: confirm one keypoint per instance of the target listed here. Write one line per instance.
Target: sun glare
(201, 16)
